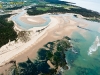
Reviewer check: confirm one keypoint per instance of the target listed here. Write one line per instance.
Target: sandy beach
(19, 51)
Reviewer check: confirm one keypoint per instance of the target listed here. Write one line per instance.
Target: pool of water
(79, 60)
(26, 26)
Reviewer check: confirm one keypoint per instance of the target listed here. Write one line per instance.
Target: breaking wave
(95, 46)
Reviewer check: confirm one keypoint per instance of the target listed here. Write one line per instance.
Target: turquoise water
(82, 63)
(28, 26)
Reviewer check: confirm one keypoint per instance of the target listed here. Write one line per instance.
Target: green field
(0, 6)
(43, 9)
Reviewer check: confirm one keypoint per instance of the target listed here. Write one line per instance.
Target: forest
(6, 30)
(14, 8)
(56, 10)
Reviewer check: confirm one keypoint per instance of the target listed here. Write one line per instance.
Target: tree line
(52, 9)
(6, 30)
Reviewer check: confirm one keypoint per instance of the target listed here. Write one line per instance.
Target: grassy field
(43, 9)
(0, 6)
(68, 6)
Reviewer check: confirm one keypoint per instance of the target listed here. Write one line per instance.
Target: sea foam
(94, 46)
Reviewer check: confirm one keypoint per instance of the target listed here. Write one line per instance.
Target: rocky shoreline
(52, 52)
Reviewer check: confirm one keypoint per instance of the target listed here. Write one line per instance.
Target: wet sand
(54, 33)
(57, 29)
(32, 19)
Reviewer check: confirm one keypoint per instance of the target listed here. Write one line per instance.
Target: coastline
(39, 37)
(56, 29)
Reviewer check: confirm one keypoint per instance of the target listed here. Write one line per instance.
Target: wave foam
(95, 46)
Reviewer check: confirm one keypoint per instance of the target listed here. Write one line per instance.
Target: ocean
(89, 4)
(84, 58)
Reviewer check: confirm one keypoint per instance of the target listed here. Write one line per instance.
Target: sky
(89, 4)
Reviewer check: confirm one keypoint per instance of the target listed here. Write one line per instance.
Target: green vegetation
(39, 9)
(43, 9)
(48, 9)
(93, 19)
(60, 7)
(17, 3)
(6, 30)
(14, 8)
(0, 6)
(52, 51)
(68, 6)
(55, 7)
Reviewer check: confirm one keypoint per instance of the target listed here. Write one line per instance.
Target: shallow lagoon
(28, 26)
